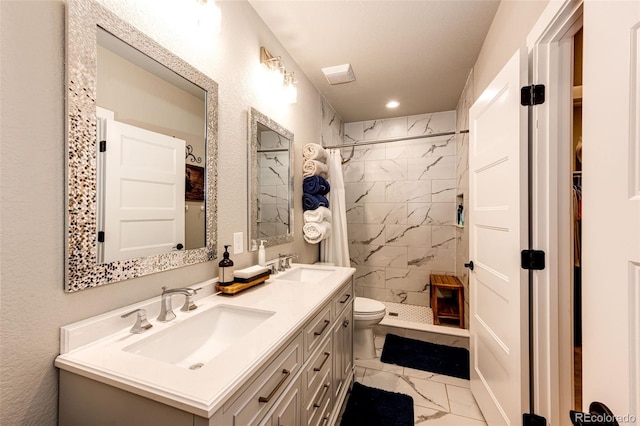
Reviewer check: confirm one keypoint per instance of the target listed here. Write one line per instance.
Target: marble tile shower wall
(332, 126)
(273, 157)
(401, 205)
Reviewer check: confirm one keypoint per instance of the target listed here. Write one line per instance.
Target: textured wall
(511, 25)
(401, 205)
(33, 305)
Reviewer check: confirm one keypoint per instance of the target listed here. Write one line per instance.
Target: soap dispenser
(226, 268)
(262, 257)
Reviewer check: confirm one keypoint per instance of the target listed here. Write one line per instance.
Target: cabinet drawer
(316, 368)
(316, 330)
(343, 298)
(318, 404)
(249, 405)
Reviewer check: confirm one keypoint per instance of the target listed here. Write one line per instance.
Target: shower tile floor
(411, 313)
(437, 399)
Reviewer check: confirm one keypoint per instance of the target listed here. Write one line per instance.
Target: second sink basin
(196, 341)
(302, 274)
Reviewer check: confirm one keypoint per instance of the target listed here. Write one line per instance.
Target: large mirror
(270, 181)
(141, 153)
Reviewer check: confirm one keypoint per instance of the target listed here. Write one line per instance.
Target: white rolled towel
(321, 214)
(315, 232)
(313, 151)
(315, 168)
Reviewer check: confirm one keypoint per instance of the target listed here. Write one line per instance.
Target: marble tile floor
(438, 399)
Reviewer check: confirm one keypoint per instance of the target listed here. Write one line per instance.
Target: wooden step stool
(447, 307)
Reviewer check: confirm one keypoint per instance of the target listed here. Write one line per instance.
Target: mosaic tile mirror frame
(83, 20)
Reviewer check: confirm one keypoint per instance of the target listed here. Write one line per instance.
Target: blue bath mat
(368, 406)
(426, 356)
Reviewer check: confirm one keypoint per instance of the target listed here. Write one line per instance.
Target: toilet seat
(367, 308)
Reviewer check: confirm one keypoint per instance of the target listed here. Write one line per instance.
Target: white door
(498, 232)
(143, 193)
(611, 214)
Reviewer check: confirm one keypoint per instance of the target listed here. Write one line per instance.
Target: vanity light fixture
(290, 89)
(392, 104)
(280, 75)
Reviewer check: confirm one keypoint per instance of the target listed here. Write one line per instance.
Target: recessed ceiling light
(392, 104)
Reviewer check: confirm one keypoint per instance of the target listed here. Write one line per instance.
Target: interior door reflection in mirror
(151, 175)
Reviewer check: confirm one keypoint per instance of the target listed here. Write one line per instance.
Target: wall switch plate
(238, 246)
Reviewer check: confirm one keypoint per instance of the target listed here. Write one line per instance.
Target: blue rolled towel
(313, 201)
(315, 185)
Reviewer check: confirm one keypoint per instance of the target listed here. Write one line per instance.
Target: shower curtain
(336, 248)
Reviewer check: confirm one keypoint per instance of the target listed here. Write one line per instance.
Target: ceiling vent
(339, 74)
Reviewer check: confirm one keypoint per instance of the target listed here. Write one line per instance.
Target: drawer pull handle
(324, 393)
(326, 324)
(326, 357)
(326, 418)
(345, 323)
(346, 297)
(273, 392)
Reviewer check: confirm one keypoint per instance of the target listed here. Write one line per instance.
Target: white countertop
(93, 348)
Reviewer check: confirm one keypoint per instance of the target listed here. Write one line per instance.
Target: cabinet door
(343, 349)
(287, 412)
(251, 404)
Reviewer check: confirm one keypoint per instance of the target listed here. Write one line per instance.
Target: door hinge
(532, 95)
(101, 236)
(533, 420)
(103, 146)
(532, 259)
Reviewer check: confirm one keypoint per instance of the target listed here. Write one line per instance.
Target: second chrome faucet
(166, 309)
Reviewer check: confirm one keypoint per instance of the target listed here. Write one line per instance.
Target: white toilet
(366, 314)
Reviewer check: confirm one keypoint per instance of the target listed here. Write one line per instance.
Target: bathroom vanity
(278, 354)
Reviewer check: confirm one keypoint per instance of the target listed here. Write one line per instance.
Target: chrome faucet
(166, 310)
(273, 266)
(285, 260)
(281, 262)
(141, 321)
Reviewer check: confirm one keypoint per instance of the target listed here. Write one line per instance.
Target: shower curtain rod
(406, 138)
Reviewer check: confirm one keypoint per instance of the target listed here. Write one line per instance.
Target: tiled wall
(332, 127)
(462, 179)
(401, 205)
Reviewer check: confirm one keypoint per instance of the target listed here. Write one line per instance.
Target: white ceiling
(418, 52)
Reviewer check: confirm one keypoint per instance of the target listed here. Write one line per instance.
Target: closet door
(498, 226)
(611, 213)
(143, 192)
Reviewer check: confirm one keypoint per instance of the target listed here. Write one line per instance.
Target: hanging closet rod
(406, 138)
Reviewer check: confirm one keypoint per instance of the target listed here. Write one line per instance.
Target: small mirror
(141, 153)
(270, 181)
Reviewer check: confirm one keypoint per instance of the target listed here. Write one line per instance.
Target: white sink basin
(196, 341)
(302, 274)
